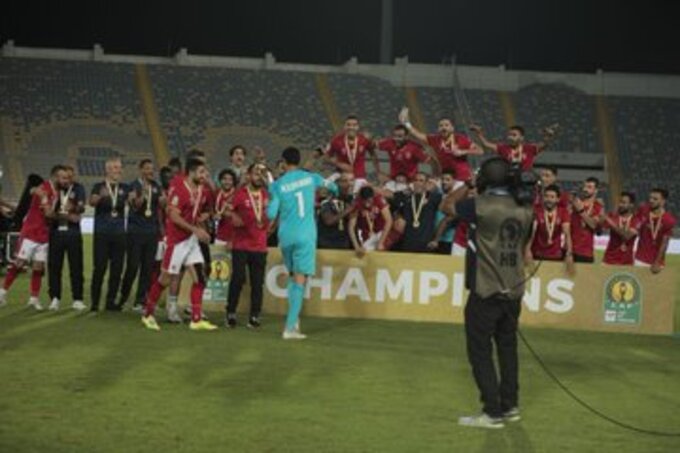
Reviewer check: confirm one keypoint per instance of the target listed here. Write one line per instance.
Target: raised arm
(549, 134)
(491, 146)
(406, 121)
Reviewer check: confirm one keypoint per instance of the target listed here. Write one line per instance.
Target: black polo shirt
(415, 239)
(77, 198)
(138, 221)
(107, 217)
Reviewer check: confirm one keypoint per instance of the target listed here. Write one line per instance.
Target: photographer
(500, 221)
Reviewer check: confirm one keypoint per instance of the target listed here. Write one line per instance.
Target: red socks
(36, 280)
(196, 301)
(152, 298)
(11, 275)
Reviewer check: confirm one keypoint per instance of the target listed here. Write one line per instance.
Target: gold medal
(352, 151)
(340, 206)
(655, 228)
(624, 223)
(149, 199)
(550, 224)
(113, 191)
(257, 205)
(417, 211)
(63, 199)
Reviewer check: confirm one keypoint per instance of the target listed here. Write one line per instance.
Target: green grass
(84, 383)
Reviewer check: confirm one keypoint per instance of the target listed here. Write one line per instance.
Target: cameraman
(500, 221)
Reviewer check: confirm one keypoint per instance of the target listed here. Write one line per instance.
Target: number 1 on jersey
(301, 204)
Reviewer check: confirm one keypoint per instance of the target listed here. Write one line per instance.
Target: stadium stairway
(414, 108)
(608, 142)
(328, 101)
(145, 90)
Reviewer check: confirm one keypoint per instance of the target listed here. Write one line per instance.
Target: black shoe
(254, 322)
(231, 322)
(114, 307)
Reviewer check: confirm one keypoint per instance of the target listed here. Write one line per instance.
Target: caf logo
(220, 270)
(622, 299)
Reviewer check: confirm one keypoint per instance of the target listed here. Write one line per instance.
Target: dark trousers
(141, 255)
(256, 263)
(109, 250)
(65, 244)
(444, 248)
(583, 259)
(488, 321)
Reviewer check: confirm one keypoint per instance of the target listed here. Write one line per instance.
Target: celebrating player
(249, 245)
(656, 227)
(370, 222)
(516, 150)
(186, 201)
(404, 154)
(551, 235)
(292, 200)
(623, 228)
(35, 235)
(450, 147)
(223, 207)
(347, 152)
(586, 217)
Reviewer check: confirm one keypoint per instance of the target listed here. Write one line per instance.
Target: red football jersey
(190, 203)
(36, 226)
(369, 220)
(652, 232)
(563, 202)
(403, 160)
(460, 236)
(548, 236)
(353, 153)
(444, 148)
(582, 236)
(224, 202)
(252, 236)
(620, 251)
(525, 155)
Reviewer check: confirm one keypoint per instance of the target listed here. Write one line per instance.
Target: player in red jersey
(347, 152)
(370, 222)
(516, 150)
(404, 154)
(548, 176)
(656, 227)
(184, 231)
(251, 226)
(450, 147)
(586, 217)
(35, 235)
(223, 208)
(551, 235)
(623, 228)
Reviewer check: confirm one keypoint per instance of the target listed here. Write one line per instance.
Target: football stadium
(386, 226)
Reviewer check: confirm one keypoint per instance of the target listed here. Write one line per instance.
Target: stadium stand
(648, 141)
(216, 108)
(538, 106)
(88, 111)
(55, 111)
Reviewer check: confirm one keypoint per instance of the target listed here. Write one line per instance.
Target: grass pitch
(90, 383)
